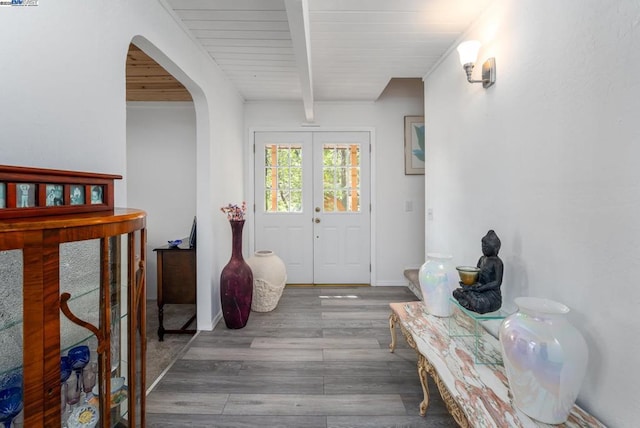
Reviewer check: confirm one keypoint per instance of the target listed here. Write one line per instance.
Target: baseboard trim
(327, 285)
(178, 356)
(390, 283)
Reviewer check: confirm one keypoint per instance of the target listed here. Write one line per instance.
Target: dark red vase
(236, 283)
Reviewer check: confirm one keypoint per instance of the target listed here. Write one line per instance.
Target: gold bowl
(468, 274)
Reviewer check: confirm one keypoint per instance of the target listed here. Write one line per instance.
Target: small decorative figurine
(484, 295)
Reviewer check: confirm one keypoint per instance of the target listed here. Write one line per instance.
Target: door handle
(317, 220)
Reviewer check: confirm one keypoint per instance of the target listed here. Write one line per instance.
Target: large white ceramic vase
(269, 278)
(438, 279)
(545, 358)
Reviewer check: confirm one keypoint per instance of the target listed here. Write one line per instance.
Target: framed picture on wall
(414, 152)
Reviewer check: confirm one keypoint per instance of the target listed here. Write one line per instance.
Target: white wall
(398, 235)
(546, 157)
(63, 104)
(161, 172)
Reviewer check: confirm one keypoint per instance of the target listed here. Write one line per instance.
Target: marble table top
(481, 391)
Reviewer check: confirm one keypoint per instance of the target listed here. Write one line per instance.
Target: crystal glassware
(63, 399)
(65, 373)
(78, 356)
(89, 374)
(10, 404)
(74, 389)
(65, 369)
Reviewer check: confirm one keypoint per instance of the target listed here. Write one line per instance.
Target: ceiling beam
(298, 17)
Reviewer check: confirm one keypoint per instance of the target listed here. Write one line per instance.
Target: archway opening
(161, 179)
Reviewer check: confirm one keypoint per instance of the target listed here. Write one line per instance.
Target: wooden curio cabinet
(70, 281)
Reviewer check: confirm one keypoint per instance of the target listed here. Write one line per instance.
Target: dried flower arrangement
(235, 212)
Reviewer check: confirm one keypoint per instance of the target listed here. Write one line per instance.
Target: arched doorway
(161, 179)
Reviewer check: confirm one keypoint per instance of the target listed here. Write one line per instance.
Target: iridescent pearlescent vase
(236, 283)
(438, 278)
(545, 359)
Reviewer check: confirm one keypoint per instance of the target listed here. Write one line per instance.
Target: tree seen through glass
(283, 178)
(340, 178)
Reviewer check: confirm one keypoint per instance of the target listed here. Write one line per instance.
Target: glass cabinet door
(128, 345)
(100, 277)
(80, 279)
(70, 353)
(118, 262)
(136, 335)
(11, 337)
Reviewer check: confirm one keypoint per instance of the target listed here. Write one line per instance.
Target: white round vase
(438, 279)
(545, 358)
(269, 278)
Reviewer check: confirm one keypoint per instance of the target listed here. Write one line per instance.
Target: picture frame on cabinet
(26, 195)
(96, 195)
(414, 145)
(55, 195)
(36, 192)
(77, 194)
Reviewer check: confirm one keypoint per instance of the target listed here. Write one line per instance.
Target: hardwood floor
(320, 359)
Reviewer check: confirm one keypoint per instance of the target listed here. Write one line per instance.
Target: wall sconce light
(468, 52)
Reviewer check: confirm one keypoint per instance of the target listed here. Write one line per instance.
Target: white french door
(312, 204)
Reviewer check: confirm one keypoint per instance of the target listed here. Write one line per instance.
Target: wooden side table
(176, 283)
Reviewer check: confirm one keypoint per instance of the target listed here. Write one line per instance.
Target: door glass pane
(341, 177)
(329, 175)
(296, 156)
(283, 178)
(354, 201)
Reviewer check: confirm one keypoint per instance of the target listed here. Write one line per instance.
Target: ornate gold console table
(475, 395)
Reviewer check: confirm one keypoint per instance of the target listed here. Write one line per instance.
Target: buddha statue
(484, 295)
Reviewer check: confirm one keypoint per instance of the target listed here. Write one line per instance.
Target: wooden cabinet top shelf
(118, 216)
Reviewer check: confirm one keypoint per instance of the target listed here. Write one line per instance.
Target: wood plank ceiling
(353, 47)
(311, 50)
(149, 81)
